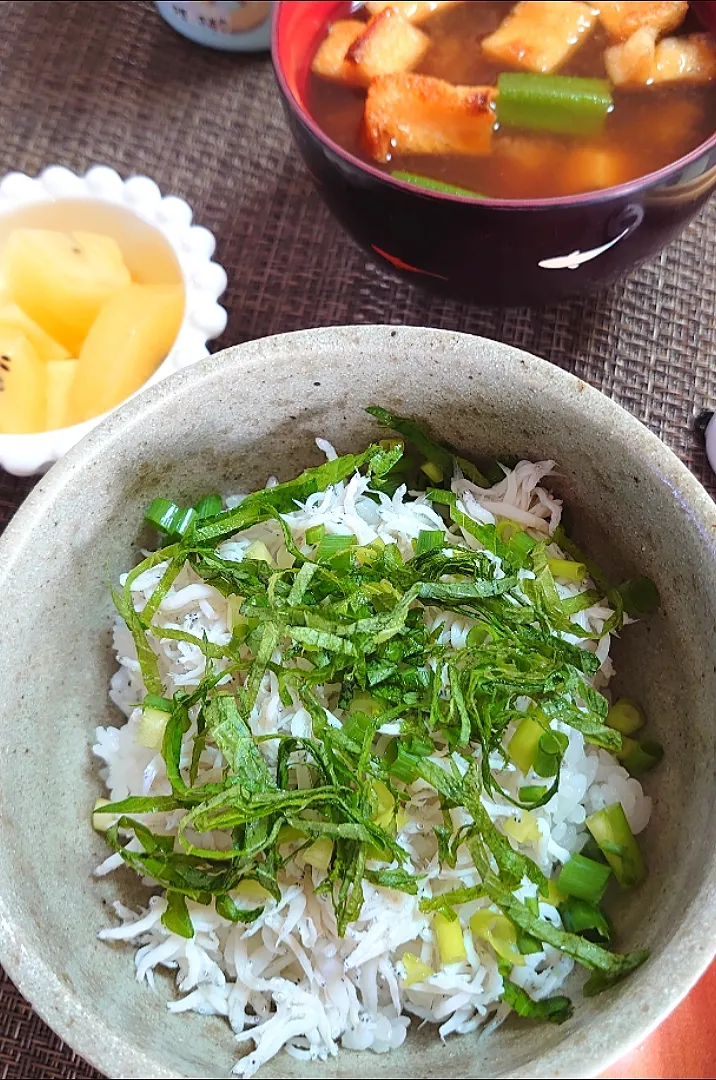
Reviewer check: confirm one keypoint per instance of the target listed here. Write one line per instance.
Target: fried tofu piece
(354, 52)
(540, 35)
(417, 114)
(642, 61)
(621, 20)
(388, 45)
(330, 59)
(414, 10)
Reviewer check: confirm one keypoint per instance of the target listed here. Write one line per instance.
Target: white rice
(287, 979)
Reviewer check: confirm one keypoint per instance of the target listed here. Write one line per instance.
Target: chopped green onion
(583, 879)
(524, 831)
(259, 552)
(521, 543)
(369, 553)
(234, 617)
(429, 540)
(172, 519)
(288, 835)
(432, 471)
(592, 850)
(611, 830)
(153, 721)
(640, 596)
(563, 104)
(587, 919)
(434, 185)
(154, 701)
(319, 854)
(451, 943)
(550, 749)
(499, 932)
(477, 636)
(527, 945)
(403, 768)
(151, 727)
(162, 513)
(366, 704)
(532, 793)
(415, 970)
(355, 728)
(506, 529)
(384, 805)
(209, 506)
(625, 716)
(176, 918)
(640, 757)
(315, 534)
(556, 1010)
(102, 822)
(418, 746)
(366, 555)
(250, 892)
(567, 570)
(332, 545)
(523, 745)
(553, 896)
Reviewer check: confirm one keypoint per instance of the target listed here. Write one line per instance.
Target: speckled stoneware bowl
(229, 423)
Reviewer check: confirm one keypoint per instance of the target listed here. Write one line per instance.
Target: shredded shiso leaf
(354, 616)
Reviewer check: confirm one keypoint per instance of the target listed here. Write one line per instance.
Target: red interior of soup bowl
(706, 11)
(300, 25)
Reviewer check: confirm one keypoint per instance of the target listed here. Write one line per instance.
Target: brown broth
(648, 128)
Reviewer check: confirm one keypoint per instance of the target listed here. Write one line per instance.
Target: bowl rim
(583, 199)
(87, 1032)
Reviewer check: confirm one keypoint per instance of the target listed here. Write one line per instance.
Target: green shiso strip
(354, 616)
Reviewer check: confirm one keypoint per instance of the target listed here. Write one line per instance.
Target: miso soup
(516, 101)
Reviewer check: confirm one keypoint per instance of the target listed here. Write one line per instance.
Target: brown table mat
(108, 82)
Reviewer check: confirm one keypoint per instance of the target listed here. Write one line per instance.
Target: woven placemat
(110, 83)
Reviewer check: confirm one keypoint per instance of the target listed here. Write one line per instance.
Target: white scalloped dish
(159, 245)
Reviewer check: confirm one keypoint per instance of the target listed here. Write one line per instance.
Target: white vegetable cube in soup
(417, 114)
(540, 35)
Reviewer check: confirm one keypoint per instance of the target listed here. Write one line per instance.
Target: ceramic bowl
(159, 244)
(228, 424)
(489, 251)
